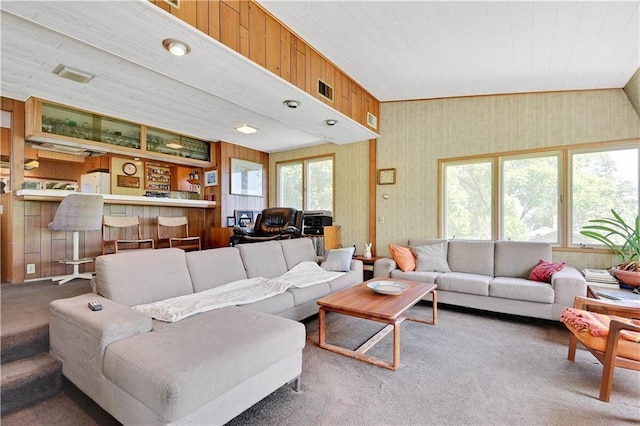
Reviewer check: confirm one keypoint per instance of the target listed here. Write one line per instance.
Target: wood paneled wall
(44, 248)
(229, 202)
(247, 28)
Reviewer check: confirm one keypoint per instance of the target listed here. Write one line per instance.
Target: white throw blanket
(241, 292)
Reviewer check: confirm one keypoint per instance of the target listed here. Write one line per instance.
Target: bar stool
(166, 225)
(77, 213)
(120, 225)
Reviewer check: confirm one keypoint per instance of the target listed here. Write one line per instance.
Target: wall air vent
(325, 90)
(372, 120)
(173, 3)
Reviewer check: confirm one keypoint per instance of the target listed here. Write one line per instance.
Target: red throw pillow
(543, 271)
(403, 257)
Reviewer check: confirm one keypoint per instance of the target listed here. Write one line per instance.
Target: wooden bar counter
(27, 240)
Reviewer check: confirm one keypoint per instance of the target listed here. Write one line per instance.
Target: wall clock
(386, 176)
(129, 169)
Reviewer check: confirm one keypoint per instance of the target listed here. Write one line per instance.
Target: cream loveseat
(493, 276)
(205, 369)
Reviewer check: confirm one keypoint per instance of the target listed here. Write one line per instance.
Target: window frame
(564, 154)
(443, 198)
(570, 189)
(500, 232)
(305, 161)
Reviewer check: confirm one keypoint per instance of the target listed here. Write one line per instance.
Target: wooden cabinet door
(180, 178)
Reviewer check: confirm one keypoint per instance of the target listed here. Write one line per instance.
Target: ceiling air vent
(73, 74)
(372, 120)
(325, 90)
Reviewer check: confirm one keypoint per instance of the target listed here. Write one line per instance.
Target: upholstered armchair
(276, 223)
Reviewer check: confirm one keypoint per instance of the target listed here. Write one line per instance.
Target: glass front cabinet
(48, 122)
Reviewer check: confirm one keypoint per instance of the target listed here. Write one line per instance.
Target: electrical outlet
(381, 220)
(31, 268)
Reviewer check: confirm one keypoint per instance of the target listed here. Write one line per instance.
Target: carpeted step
(29, 380)
(18, 344)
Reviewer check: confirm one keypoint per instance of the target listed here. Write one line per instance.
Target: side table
(613, 295)
(367, 265)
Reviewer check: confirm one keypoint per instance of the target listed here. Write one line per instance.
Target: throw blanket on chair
(597, 324)
(241, 292)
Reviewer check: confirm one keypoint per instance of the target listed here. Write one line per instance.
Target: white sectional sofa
(493, 276)
(205, 369)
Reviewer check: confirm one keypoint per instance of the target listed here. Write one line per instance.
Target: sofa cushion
(520, 289)
(428, 241)
(517, 258)
(464, 283)
(298, 250)
(154, 274)
(403, 257)
(472, 257)
(211, 268)
(431, 258)
(307, 294)
(179, 367)
(263, 259)
(274, 305)
(422, 276)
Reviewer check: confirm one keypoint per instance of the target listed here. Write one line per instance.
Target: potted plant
(602, 230)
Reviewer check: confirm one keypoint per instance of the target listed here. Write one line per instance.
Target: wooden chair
(121, 226)
(610, 349)
(180, 226)
(77, 213)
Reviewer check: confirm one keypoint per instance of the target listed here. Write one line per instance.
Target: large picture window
(602, 180)
(306, 184)
(529, 198)
(546, 195)
(468, 199)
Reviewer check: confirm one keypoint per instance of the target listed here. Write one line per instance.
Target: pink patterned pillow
(543, 271)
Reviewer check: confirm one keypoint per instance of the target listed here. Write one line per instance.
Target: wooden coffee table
(362, 302)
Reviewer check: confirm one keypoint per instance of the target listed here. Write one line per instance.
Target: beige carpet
(470, 369)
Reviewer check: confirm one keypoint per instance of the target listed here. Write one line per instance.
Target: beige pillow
(431, 258)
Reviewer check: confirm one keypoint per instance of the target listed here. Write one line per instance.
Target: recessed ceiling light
(176, 47)
(247, 130)
(291, 103)
(72, 73)
(330, 122)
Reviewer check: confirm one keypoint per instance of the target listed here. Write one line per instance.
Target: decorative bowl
(627, 277)
(392, 288)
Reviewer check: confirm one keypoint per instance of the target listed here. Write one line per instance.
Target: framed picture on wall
(246, 178)
(243, 217)
(231, 221)
(211, 178)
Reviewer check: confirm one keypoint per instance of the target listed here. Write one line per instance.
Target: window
(290, 185)
(306, 184)
(529, 199)
(601, 181)
(513, 196)
(468, 199)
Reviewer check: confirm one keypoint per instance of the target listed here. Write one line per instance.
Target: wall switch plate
(31, 268)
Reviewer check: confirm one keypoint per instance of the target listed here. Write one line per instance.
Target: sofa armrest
(80, 336)
(567, 284)
(383, 267)
(357, 266)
